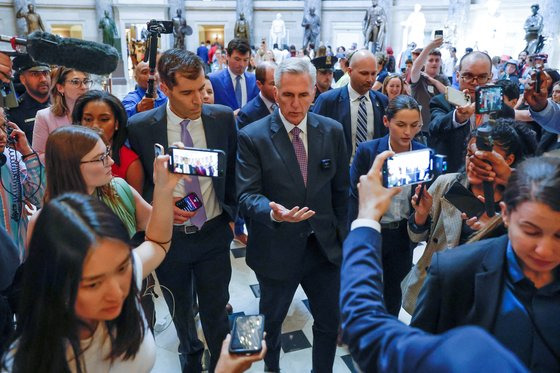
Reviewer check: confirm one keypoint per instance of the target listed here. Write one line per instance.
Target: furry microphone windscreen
(82, 55)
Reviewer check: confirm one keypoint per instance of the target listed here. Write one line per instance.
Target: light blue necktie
(238, 94)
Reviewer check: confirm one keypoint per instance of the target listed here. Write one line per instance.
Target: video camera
(155, 29)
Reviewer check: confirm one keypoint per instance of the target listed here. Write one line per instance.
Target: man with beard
(36, 78)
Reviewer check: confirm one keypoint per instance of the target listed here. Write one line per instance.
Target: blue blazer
(253, 111)
(335, 104)
(363, 160)
(379, 342)
(224, 92)
(268, 170)
(150, 127)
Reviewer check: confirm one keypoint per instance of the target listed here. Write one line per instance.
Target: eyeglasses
(104, 159)
(78, 82)
(469, 78)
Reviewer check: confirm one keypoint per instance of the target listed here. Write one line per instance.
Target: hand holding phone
(422, 200)
(408, 168)
(464, 200)
(197, 162)
(456, 97)
(247, 334)
(191, 202)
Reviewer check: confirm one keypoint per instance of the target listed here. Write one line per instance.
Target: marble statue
(414, 27)
(241, 29)
(533, 31)
(278, 31)
(311, 25)
(180, 29)
(108, 28)
(373, 26)
(32, 19)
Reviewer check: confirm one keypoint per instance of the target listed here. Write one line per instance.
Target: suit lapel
(344, 105)
(451, 222)
(285, 149)
(488, 284)
(209, 133)
(228, 87)
(159, 127)
(377, 120)
(315, 138)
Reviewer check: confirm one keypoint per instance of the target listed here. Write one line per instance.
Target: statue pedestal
(118, 77)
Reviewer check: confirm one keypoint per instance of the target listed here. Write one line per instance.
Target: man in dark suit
(359, 109)
(264, 103)
(295, 158)
(450, 125)
(234, 87)
(201, 239)
(378, 341)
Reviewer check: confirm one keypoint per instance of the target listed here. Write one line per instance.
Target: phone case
(251, 329)
(464, 200)
(456, 97)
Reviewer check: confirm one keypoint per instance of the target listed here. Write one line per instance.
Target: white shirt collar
(175, 120)
(233, 76)
(391, 149)
(355, 95)
(289, 126)
(266, 101)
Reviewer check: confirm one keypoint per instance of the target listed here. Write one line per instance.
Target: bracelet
(28, 155)
(160, 244)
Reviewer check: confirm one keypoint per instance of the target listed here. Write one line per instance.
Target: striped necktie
(361, 128)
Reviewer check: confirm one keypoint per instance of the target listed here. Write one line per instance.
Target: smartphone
(489, 99)
(408, 168)
(191, 202)
(464, 200)
(197, 162)
(158, 150)
(456, 97)
(247, 334)
(438, 34)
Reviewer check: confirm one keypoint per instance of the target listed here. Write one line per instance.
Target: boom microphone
(87, 56)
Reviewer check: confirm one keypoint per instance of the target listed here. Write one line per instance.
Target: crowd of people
(89, 209)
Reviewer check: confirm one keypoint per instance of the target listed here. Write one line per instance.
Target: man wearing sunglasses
(36, 78)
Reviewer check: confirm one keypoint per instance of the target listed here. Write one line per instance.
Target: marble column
(246, 7)
(457, 21)
(21, 25)
(550, 10)
(387, 6)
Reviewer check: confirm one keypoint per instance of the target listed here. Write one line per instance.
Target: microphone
(87, 56)
(485, 142)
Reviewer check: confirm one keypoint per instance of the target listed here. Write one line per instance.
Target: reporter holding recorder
(378, 341)
(441, 224)
(404, 121)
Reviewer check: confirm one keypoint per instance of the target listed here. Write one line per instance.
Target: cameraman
(22, 178)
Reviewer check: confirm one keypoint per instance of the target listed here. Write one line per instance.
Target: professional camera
(160, 27)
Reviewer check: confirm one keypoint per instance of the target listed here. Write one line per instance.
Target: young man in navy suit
(361, 121)
(234, 87)
(292, 175)
(379, 342)
(201, 239)
(264, 103)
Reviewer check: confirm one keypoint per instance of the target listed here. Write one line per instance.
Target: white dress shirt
(267, 102)
(354, 105)
(196, 130)
(243, 86)
(302, 126)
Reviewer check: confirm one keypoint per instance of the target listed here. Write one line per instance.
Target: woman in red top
(103, 111)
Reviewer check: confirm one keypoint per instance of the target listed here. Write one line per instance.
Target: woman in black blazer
(509, 285)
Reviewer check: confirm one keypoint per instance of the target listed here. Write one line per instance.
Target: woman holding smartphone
(441, 224)
(403, 120)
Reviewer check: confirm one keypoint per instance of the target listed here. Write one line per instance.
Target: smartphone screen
(197, 162)
(438, 34)
(408, 168)
(247, 334)
(464, 200)
(489, 99)
(190, 202)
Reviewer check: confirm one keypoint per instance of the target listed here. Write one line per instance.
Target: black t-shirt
(24, 114)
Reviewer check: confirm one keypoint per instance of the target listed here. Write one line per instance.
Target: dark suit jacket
(335, 104)
(224, 92)
(150, 127)
(254, 110)
(267, 170)
(464, 286)
(363, 159)
(444, 137)
(379, 342)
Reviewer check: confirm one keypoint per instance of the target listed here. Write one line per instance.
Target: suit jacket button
(435, 240)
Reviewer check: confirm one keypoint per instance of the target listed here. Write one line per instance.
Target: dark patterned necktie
(300, 153)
